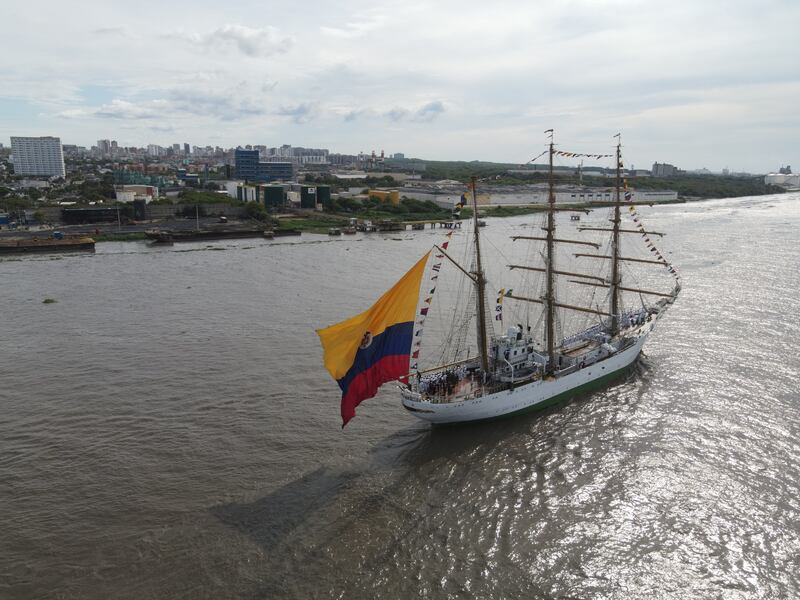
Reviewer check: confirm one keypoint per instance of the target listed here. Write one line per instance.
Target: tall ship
(567, 347)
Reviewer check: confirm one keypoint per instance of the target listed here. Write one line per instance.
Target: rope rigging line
(637, 220)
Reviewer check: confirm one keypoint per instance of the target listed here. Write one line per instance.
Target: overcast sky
(695, 83)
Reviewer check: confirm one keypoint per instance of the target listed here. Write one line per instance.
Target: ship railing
(430, 389)
(415, 378)
(583, 335)
(485, 389)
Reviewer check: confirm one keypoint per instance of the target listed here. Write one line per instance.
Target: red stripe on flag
(365, 385)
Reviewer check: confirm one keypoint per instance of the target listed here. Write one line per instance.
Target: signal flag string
(637, 219)
(426, 305)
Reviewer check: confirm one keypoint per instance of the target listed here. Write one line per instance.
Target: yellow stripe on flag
(340, 342)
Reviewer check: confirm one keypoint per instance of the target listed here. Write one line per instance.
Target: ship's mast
(615, 277)
(480, 287)
(551, 228)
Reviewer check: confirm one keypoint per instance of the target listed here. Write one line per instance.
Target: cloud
(300, 113)
(377, 69)
(429, 111)
(178, 103)
(263, 42)
(227, 106)
(356, 28)
(354, 114)
(122, 109)
(162, 128)
(397, 113)
(117, 109)
(426, 113)
(109, 31)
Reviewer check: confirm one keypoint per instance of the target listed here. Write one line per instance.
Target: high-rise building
(103, 147)
(664, 170)
(38, 156)
(186, 149)
(250, 168)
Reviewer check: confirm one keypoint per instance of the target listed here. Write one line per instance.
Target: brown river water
(167, 430)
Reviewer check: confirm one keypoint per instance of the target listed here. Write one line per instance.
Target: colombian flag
(364, 352)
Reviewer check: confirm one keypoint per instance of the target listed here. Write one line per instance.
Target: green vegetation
(13, 203)
(98, 190)
(409, 209)
(705, 186)
(688, 185)
(203, 197)
(337, 184)
(318, 223)
(461, 170)
(515, 211)
(257, 211)
(503, 211)
(49, 301)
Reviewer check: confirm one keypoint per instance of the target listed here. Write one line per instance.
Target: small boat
(334, 231)
(269, 234)
(162, 238)
(389, 225)
(575, 217)
(285, 232)
(349, 230)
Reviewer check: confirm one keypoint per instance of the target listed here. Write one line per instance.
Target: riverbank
(314, 222)
(120, 237)
(515, 211)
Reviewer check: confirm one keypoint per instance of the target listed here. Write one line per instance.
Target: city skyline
(698, 86)
(110, 149)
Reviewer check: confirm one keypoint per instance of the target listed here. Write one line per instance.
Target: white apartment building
(38, 156)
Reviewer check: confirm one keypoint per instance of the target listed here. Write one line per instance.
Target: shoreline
(319, 223)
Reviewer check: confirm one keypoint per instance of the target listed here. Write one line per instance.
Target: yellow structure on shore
(392, 196)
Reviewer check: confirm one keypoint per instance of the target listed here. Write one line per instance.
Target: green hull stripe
(569, 394)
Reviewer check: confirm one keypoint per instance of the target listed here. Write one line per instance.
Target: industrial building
(131, 193)
(274, 196)
(785, 180)
(664, 170)
(315, 197)
(38, 156)
(392, 196)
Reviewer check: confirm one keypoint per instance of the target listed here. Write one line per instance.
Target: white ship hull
(531, 396)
